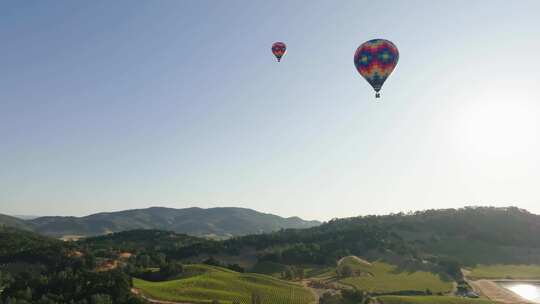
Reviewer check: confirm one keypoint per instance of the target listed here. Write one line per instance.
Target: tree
(345, 271)
(171, 269)
(452, 267)
(212, 262)
(235, 267)
(328, 298)
(143, 260)
(355, 296)
(288, 274)
(256, 298)
(100, 299)
(299, 273)
(90, 260)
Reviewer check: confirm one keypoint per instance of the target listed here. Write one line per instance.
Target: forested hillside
(36, 269)
(468, 235)
(13, 222)
(433, 244)
(212, 222)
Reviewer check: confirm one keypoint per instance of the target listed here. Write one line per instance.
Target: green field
(381, 277)
(310, 271)
(430, 300)
(505, 271)
(207, 283)
(320, 272)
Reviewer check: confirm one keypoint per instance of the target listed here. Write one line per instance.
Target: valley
(403, 258)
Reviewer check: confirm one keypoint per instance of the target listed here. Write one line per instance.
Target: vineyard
(310, 271)
(505, 271)
(430, 300)
(208, 283)
(382, 277)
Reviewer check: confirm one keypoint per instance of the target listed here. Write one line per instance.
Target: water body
(526, 290)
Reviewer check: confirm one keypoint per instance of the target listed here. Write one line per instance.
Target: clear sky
(111, 105)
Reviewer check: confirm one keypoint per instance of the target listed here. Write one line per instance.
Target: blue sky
(127, 104)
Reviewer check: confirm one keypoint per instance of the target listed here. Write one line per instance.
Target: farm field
(505, 272)
(430, 300)
(208, 283)
(381, 277)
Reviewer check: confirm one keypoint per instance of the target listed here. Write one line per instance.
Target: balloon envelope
(375, 60)
(279, 49)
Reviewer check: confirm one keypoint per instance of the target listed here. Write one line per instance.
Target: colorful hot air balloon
(279, 49)
(375, 60)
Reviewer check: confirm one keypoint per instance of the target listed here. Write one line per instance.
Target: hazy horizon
(107, 106)
(32, 216)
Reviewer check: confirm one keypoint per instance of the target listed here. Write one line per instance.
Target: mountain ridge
(14, 222)
(219, 222)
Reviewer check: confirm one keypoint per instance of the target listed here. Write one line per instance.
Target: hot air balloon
(375, 60)
(279, 49)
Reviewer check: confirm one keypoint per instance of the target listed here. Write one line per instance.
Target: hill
(402, 254)
(146, 240)
(39, 269)
(380, 277)
(443, 238)
(14, 241)
(13, 222)
(481, 235)
(212, 222)
(471, 235)
(207, 283)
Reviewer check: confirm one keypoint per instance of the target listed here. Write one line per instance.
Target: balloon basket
(377, 95)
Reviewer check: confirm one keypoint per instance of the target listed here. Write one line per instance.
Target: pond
(529, 291)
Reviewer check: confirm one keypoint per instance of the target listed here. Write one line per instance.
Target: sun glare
(497, 126)
(526, 291)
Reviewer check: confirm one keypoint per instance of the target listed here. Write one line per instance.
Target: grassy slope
(317, 272)
(430, 300)
(208, 283)
(386, 278)
(13, 222)
(310, 271)
(505, 271)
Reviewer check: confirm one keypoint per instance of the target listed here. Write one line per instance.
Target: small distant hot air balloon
(279, 49)
(375, 60)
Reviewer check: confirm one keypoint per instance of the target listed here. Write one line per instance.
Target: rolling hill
(207, 283)
(213, 222)
(39, 269)
(380, 277)
(470, 236)
(406, 253)
(13, 222)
